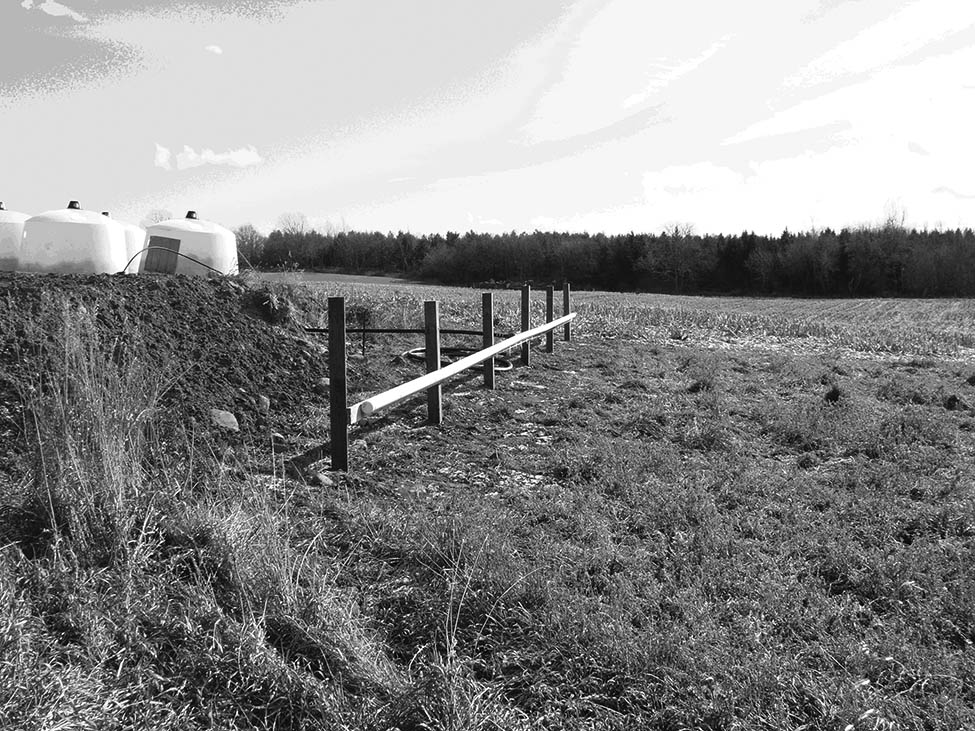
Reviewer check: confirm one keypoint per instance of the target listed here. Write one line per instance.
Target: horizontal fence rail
(421, 383)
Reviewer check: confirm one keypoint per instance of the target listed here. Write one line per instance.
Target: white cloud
(241, 158)
(216, 50)
(896, 37)
(163, 156)
(54, 8)
(478, 223)
(848, 184)
(190, 158)
(670, 71)
(920, 107)
(622, 59)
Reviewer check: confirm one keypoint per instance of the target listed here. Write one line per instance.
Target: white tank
(72, 241)
(135, 240)
(189, 246)
(11, 236)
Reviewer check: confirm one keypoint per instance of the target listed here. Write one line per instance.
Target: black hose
(185, 256)
(420, 354)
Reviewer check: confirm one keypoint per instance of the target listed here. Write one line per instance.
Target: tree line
(883, 260)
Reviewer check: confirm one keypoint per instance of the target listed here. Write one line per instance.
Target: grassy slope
(698, 514)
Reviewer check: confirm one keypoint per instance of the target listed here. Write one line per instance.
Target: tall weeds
(129, 601)
(90, 409)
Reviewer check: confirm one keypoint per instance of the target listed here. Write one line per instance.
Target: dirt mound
(222, 341)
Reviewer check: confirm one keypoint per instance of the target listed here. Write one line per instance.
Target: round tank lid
(2, 206)
(191, 214)
(74, 206)
(106, 214)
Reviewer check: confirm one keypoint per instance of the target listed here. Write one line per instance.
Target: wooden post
(431, 323)
(338, 396)
(549, 316)
(566, 308)
(487, 323)
(526, 353)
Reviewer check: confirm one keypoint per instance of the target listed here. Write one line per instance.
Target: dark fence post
(338, 397)
(431, 323)
(526, 353)
(487, 324)
(566, 309)
(549, 316)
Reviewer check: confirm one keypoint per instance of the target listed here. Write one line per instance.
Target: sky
(510, 115)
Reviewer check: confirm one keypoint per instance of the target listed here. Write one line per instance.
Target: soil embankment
(221, 344)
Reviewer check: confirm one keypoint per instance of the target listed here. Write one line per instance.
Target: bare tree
(895, 215)
(250, 243)
(155, 216)
(293, 224)
(679, 230)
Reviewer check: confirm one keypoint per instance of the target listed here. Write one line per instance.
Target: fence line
(342, 416)
(434, 378)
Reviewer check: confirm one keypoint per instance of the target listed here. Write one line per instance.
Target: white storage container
(72, 241)
(135, 242)
(11, 237)
(189, 246)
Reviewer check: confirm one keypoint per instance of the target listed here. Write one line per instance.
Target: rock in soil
(321, 479)
(224, 419)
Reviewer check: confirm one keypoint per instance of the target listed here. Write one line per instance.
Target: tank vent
(191, 214)
(74, 206)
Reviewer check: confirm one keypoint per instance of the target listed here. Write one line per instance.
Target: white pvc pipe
(405, 390)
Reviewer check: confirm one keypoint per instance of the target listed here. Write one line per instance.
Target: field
(701, 513)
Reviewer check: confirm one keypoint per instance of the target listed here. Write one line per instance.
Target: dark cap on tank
(191, 214)
(106, 213)
(2, 207)
(74, 206)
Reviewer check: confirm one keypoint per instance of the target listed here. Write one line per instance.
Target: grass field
(699, 514)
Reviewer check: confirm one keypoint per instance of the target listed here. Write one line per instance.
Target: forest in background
(883, 260)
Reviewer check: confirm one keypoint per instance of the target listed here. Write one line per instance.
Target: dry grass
(641, 532)
(864, 327)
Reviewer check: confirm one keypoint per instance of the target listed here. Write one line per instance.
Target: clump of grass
(822, 425)
(90, 413)
(899, 389)
(833, 394)
(703, 369)
(271, 301)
